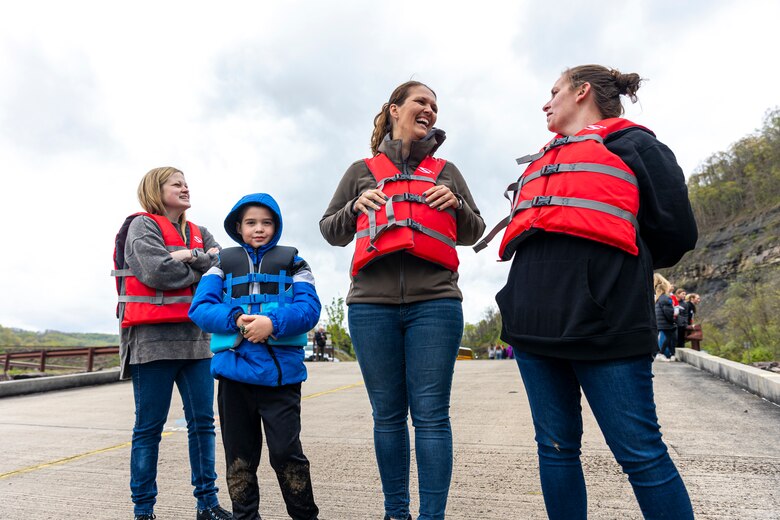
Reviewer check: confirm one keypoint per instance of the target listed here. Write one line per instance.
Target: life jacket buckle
(560, 141)
(550, 168)
(541, 201)
(415, 225)
(413, 197)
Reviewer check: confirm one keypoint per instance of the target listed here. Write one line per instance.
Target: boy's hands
(255, 327)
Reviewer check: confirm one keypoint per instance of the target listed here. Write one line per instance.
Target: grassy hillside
(736, 264)
(10, 337)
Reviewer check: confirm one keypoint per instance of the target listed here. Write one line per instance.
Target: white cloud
(280, 97)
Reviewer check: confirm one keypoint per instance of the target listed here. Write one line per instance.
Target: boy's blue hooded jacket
(258, 363)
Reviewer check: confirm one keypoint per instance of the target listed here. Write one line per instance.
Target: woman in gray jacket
(159, 258)
(408, 211)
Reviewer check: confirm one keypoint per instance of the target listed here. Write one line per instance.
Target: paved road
(66, 454)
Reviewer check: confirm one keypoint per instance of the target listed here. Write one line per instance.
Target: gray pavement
(65, 454)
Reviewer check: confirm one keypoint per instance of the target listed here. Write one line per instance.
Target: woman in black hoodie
(593, 215)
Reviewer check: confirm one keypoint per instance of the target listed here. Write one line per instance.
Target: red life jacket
(576, 186)
(405, 221)
(144, 304)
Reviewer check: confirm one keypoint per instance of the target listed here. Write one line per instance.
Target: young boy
(259, 304)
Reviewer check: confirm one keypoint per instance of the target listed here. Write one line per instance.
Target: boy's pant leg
(243, 439)
(281, 411)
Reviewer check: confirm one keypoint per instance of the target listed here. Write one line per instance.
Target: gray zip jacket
(151, 263)
(400, 277)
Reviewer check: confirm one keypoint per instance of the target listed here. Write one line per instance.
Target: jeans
(407, 356)
(244, 412)
(152, 389)
(620, 393)
(666, 341)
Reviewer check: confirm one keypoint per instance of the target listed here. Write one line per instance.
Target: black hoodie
(573, 298)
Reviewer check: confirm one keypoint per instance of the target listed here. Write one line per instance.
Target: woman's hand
(369, 199)
(255, 327)
(440, 197)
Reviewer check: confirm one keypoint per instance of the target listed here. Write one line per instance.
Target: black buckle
(550, 168)
(415, 225)
(541, 201)
(402, 176)
(413, 197)
(560, 141)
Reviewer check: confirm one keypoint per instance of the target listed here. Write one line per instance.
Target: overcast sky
(280, 96)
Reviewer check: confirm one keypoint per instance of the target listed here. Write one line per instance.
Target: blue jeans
(666, 342)
(620, 393)
(152, 389)
(407, 356)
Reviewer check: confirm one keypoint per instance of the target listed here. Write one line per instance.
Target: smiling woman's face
(413, 119)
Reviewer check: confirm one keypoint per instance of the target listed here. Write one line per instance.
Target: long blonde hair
(150, 193)
(661, 285)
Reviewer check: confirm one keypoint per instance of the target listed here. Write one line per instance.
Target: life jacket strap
(405, 177)
(159, 299)
(551, 169)
(256, 278)
(121, 272)
(482, 244)
(374, 231)
(252, 299)
(410, 223)
(574, 202)
(559, 142)
(555, 201)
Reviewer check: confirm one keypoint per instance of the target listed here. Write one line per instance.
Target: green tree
(334, 326)
(486, 332)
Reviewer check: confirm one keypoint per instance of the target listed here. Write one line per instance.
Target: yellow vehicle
(466, 353)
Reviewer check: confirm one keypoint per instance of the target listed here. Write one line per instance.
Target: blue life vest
(257, 289)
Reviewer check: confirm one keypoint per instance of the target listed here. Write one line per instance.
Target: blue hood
(233, 218)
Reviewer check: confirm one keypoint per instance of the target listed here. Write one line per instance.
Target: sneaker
(150, 516)
(660, 357)
(672, 358)
(214, 513)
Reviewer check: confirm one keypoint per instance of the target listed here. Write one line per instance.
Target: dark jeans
(243, 409)
(666, 341)
(152, 389)
(620, 394)
(407, 357)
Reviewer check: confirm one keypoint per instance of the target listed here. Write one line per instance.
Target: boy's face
(257, 226)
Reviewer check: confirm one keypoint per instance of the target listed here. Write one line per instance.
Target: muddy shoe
(214, 513)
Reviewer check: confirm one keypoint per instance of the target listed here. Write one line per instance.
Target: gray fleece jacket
(151, 263)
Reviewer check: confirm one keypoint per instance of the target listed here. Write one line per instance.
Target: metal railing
(41, 356)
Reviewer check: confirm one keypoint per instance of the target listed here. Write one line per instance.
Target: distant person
(260, 303)
(159, 257)
(491, 352)
(510, 352)
(693, 330)
(320, 340)
(406, 211)
(681, 320)
(596, 210)
(693, 300)
(666, 318)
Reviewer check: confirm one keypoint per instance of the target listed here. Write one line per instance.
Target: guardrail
(41, 356)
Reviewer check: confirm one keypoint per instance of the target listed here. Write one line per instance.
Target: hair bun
(627, 84)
